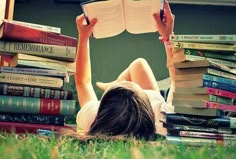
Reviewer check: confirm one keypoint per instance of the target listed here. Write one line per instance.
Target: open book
(114, 16)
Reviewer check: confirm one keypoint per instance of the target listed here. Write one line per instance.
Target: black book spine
(33, 118)
(213, 122)
(35, 92)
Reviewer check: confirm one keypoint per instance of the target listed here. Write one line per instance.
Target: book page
(2, 9)
(139, 15)
(110, 16)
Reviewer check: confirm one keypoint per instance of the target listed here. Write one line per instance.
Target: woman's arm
(165, 29)
(83, 78)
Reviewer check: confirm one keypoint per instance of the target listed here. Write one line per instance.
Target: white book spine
(31, 80)
(65, 52)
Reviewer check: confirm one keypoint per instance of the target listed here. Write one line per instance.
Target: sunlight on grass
(35, 147)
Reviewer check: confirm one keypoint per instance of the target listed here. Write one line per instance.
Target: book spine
(35, 92)
(32, 128)
(213, 122)
(219, 79)
(43, 81)
(204, 135)
(14, 104)
(23, 33)
(176, 127)
(33, 118)
(222, 100)
(36, 26)
(56, 51)
(218, 61)
(221, 74)
(230, 57)
(219, 106)
(42, 64)
(191, 141)
(203, 46)
(34, 71)
(218, 85)
(205, 38)
(222, 93)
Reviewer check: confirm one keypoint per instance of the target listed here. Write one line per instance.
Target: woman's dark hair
(124, 111)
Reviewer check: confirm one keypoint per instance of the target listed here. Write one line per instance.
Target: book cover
(225, 39)
(22, 33)
(228, 81)
(24, 60)
(114, 17)
(220, 106)
(222, 93)
(209, 81)
(205, 46)
(65, 53)
(34, 92)
(203, 121)
(182, 127)
(32, 80)
(32, 128)
(182, 58)
(15, 104)
(218, 85)
(47, 28)
(231, 56)
(32, 118)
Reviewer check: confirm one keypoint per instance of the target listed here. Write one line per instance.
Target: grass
(13, 146)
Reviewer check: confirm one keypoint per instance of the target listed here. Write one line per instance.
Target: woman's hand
(84, 30)
(165, 27)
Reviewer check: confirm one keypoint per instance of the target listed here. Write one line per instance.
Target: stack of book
(205, 88)
(36, 61)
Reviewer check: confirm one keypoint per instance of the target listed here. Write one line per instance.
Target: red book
(17, 32)
(19, 128)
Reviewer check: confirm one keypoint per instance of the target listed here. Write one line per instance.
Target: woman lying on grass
(132, 104)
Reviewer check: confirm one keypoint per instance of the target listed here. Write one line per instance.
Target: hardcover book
(65, 53)
(32, 128)
(117, 15)
(32, 80)
(47, 28)
(35, 71)
(23, 60)
(35, 92)
(226, 39)
(18, 32)
(14, 104)
(32, 118)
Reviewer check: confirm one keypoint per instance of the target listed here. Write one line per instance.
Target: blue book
(218, 85)
(227, 81)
